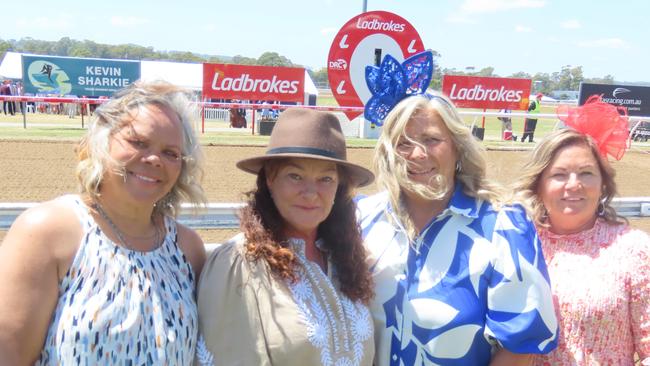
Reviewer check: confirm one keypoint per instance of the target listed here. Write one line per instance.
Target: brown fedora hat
(306, 133)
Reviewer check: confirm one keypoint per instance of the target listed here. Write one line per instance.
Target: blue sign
(77, 76)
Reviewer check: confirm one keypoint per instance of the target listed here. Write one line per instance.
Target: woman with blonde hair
(463, 272)
(599, 266)
(459, 276)
(108, 276)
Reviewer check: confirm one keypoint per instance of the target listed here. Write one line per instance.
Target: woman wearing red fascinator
(599, 267)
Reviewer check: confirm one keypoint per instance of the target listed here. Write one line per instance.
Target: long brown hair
(263, 228)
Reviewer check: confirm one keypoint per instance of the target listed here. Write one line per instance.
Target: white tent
(183, 74)
(310, 87)
(545, 98)
(11, 66)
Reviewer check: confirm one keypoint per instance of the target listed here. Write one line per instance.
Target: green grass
(42, 133)
(326, 100)
(492, 125)
(55, 127)
(223, 138)
(208, 138)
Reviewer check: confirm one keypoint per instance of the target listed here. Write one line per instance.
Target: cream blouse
(249, 317)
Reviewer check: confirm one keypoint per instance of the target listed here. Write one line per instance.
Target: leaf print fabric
(474, 278)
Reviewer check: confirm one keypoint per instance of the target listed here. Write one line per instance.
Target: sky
(604, 37)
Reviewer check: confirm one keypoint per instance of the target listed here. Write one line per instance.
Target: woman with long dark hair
(293, 287)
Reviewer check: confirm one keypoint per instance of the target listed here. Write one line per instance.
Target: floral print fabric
(601, 287)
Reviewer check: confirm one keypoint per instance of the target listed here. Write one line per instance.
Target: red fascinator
(607, 124)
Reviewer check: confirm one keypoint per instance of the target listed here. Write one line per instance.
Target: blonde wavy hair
(93, 149)
(391, 168)
(527, 186)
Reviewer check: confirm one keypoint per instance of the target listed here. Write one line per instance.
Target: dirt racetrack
(37, 171)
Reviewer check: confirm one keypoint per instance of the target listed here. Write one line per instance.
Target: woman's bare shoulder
(47, 226)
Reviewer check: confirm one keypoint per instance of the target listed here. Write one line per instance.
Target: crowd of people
(9, 87)
(442, 267)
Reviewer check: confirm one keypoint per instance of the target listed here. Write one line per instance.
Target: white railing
(212, 216)
(216, 113)
(224, 215)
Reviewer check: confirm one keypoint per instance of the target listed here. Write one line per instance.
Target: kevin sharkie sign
(77, 76)
(635, 98)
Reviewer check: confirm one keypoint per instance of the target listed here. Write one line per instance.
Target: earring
(459, 166)
(122, 172)
(601, 208)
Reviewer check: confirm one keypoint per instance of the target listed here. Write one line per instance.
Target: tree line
(568, 78)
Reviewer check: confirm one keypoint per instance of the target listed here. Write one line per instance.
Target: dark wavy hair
(263, 228)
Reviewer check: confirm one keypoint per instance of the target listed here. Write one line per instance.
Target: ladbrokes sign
(227, 81)
(486, 92)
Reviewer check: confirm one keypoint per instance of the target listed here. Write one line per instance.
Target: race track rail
(224, 215)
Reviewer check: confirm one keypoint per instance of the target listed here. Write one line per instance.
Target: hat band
(303, 150)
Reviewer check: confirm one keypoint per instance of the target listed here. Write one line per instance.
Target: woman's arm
(33, 258)
(192, 246)
(503, 357)
(228, 299)
(640, 295)
(520, 311)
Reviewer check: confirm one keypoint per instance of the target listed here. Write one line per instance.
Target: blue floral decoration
(391, 82)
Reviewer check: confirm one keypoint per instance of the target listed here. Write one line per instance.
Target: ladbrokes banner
(487, 92)
(77, 76)
(635, 98)
(229, 81)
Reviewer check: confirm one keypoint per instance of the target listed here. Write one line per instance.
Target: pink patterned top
(601, 288)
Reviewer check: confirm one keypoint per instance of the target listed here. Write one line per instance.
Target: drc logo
(49, 78)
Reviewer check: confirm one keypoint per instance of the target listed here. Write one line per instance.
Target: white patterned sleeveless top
(122, 307)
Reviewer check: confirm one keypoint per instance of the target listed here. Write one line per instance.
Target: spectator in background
(92, 106)
(31, 105)
(599, 266)
(14, 91)
(5, 90)
(71, 108)
(266, 111)
(506, 126)
(530, 124)
(20, 91)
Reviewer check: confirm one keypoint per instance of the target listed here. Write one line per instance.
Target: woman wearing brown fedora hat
(293, 287)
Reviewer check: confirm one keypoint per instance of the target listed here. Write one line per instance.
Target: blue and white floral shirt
(474, 279)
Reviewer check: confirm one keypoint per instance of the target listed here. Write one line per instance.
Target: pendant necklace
(156, 235)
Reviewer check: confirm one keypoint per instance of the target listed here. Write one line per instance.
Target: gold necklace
(120, 235)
